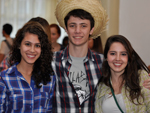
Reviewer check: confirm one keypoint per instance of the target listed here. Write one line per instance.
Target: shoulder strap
(9, 46)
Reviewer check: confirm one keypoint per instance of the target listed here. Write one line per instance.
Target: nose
(77, 29)
(32, 48)
(118, 57)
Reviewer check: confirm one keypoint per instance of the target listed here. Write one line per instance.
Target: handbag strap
(112, 91)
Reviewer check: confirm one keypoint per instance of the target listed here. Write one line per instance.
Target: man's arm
(1, 57)
(2, 51)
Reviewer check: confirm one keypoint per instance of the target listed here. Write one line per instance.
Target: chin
(30, 63)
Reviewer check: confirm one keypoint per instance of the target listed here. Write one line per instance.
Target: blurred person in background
(96, 45)
(65, 41)
(55, 34)
(5, 46)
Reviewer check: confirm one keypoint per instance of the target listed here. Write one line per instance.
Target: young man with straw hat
(77, 68)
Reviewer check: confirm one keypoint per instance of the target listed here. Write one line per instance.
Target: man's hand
(146, 83)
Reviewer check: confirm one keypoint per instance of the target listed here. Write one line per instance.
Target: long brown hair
(44, 23)
(130, 75)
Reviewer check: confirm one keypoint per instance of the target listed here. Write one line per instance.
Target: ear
(3, 32)
(66, 30)
(91, 31)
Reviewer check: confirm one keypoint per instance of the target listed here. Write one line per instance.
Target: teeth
(77, 37)
(30, 56)
(118, 64)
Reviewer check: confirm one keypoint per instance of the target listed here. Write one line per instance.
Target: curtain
(112, 9)
(18, 12)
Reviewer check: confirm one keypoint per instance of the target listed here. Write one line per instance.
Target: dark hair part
(130, 75)
(57, 27)
(44, 23)
(97, 45)
(42, 66)
(7, 28)
(81, 14)
(65, 41)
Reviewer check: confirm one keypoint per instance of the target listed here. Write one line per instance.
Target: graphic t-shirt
(78, 77)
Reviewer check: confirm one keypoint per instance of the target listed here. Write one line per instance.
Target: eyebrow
(76, 23)
(119, 51)
(31, 42)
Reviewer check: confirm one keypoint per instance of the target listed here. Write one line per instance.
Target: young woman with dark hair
(28, 85)
(121, 87)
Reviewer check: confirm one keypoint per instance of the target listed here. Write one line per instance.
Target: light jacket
(130, 107)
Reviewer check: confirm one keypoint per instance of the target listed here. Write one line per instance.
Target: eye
(27, 44)
(71, 25)
(112, 53)
(38, 45)
(84, 26)
(124, 54)
(53, 34)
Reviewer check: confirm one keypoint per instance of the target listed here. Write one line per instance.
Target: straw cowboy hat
(93, 7)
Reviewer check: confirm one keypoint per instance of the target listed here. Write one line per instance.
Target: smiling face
(30, 49)
(117, 58)
(54, 34)
(78, 31)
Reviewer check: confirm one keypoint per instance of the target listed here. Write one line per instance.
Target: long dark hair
(130, 75)
(42, 66)
(44, 23)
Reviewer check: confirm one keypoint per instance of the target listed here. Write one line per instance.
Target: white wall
(63, 34)
(134, 24)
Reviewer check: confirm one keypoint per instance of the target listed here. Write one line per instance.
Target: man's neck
(78, 51)
(7, 36)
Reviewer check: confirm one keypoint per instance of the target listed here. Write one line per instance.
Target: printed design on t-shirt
(80, 84)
